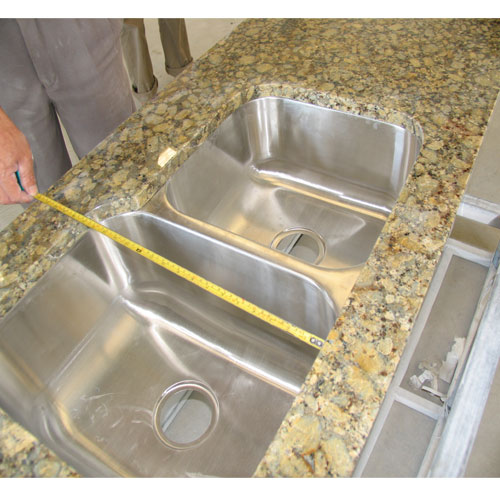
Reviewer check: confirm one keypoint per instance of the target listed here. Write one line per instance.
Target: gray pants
(67, 68)
(174, 40)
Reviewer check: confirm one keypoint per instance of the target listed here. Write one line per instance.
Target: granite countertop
(442, 74)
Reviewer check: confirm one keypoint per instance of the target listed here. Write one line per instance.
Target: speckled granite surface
(442, 74)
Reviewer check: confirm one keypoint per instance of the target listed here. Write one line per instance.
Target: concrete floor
(484, 182)
(202, 35)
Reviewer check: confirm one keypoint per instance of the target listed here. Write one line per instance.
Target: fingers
(13, 190)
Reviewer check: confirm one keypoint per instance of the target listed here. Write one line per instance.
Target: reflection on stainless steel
(281, 206)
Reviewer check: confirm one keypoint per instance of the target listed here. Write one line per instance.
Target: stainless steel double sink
(123, 368)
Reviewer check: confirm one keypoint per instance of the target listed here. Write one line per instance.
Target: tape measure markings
(182, 272)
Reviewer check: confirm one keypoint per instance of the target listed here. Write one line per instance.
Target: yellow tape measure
(210, 287)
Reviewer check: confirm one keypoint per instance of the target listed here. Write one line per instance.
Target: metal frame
(469, 400)
(447, 459)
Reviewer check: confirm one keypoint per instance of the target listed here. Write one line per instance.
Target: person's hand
(15, 156)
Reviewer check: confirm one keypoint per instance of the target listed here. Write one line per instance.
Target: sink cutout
(329, 178)
(301, 243)
(185, 415)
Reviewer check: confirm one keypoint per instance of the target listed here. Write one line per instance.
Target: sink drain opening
(302, 243)
(185, 414)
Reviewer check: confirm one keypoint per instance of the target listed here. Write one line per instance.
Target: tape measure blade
(188, 275)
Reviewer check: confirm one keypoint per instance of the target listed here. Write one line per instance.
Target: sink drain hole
(302, 243)
(185, 414)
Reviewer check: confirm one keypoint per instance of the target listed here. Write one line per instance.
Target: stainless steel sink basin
(125, 369)
(310, 181)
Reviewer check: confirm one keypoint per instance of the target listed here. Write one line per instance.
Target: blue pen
(19, 180)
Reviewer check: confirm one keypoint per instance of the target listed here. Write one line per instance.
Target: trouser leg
(137, 57)
(175, 44)
(25, 101)
(81, 66)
